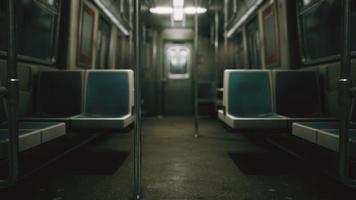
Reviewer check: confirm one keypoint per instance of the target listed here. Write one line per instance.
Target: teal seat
(324, 135)
(49, 130)
(323, 132)
(27, 139)
(248, 100)
(329, 139)
(108, 100)
(249, 94)
(325, 125)
(4, 133)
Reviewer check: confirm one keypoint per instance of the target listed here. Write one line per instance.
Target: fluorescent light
(178, 3)
(194, 10)
(161, 10)
(178, 14)
(112, 17)
(170, 10)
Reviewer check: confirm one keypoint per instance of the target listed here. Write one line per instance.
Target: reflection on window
(270, 37)
(86, 36)
(103, 42)
(240, 52)
(37, 29)
(3, 25)
(253, 42)
(178, 62)
(321, 29)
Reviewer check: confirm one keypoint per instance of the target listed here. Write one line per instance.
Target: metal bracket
(353, 91)
(3, 91)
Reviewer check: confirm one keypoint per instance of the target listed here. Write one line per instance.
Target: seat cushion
(270, 122)
(325, 125)
(249, 94)
(85, 122)
(27, 140)
(329, 138)
(107, 94)
(49, 130)
(297, 94)
(60, 94)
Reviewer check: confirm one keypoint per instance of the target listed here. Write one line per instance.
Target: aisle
(177, 166)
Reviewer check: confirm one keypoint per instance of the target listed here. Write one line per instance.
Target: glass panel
(253, 45)
(86, 36)
(36, 31)
(321, 29)
(88, 21)
(353, 26)
(52, 4)
(240, 52)
(103, 42)
(3, 25)
(270, 36)
(178, 61)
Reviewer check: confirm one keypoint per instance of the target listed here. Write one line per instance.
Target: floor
(177, 166)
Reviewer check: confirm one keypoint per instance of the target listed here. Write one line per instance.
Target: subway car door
(177, 80)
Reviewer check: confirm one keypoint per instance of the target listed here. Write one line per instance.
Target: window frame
(83, 61)
(301, 9)
(176, 76)
(272, 61)
(54, 36)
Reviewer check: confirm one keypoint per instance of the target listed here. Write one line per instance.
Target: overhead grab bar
(12, 100)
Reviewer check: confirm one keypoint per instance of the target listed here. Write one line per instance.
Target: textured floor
(178, 166)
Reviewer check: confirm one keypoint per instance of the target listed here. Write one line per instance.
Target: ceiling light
(169, 10)
(178, 3)
(162, 10)
(178, 14)
(194, 10)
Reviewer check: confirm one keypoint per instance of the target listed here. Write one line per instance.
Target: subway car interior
(177, 99)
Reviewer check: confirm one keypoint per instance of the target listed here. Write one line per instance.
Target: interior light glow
(194, 10)
(162, 10)
(170, 10)
(178, 3)
(178, 14)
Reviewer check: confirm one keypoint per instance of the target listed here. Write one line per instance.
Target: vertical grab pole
(12, 98)
(344, 94)
(226, 18)
(195, 78)
(137, 131)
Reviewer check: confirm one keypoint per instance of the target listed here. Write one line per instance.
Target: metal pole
(226, 18)
(344, 93)
(12, 98)
(195, 78)
(216, 47)
(137, 131)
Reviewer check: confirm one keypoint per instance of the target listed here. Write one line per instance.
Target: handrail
(12, 100)
(137, 130)
(345, 98)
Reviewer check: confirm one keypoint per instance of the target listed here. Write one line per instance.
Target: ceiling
(164, 21)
